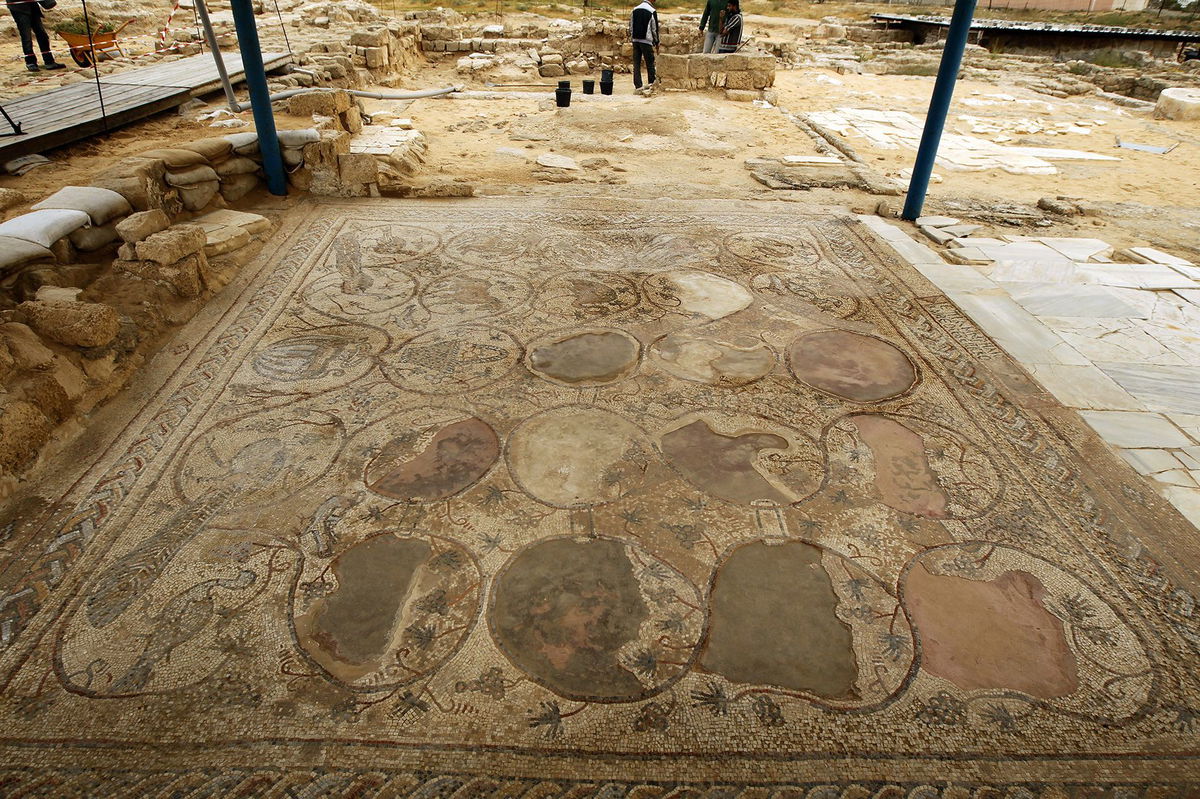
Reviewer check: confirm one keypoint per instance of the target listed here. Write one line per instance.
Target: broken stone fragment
(170, 245)
(321, 103)
(253, 223)
(137, 227)
(556, 161)
(74, 324)
(23, 431)
(225, 239)
(358, 168)
(28, 352)
(182, 276)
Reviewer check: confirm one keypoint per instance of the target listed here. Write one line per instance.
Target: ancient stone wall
(738, 72)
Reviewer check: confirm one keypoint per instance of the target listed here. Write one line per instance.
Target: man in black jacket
(28, 16)
(643, 30)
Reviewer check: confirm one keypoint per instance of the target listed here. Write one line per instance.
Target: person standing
(643, 31)
(731, 29)
(710, 24)
(28, 16)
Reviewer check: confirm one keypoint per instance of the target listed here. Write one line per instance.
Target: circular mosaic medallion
(596, 619)
(771, 249)
(697, 294)
(428, 460)
(585, 294)
(584, 357)
(576, 456)
(476, 294)
(812, 288)
(850, 365)
(387, 610)
(452, 360)
(487, 245)
(716, 360)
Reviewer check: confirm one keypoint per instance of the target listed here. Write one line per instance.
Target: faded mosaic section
(596, 492)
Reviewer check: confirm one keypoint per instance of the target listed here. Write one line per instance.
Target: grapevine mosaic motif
(505, 489)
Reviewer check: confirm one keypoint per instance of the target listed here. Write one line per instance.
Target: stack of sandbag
(189, 173)
(103, 207)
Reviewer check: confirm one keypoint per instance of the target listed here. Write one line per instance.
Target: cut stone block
(938, 235)
(556, 161)
(136, 227)
(75, 324)
(967, 255)
(172, 244)
(936, 221)
(1149, 255)
(221, 240)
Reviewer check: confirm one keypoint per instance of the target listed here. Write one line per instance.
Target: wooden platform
(71, 113)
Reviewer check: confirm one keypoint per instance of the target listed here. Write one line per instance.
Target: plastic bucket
(606, 76)
(562, 96)
(589, 87)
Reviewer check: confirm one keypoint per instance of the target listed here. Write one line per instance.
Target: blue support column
(260, 96)
(939, 106)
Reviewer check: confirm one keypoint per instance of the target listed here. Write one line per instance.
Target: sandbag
(237, 165)
(176, 158)
(190, 177)
(215, 150)
(46, 226)
(87, 239)
(235, 187)
(18, 252)
(244, 143)
(198, 195)
(101, 205)
(298, 138)
(293, 156)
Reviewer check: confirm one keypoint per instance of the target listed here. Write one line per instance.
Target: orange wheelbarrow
(101, 46)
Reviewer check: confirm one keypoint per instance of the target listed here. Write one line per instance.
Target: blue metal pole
(260, 96)
(939, 106)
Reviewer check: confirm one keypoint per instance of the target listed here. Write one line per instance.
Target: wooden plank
(71, 113)
(198, 72)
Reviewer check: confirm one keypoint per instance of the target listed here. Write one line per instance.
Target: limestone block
(323, 103)
(23, 431)
(28, 352)
(762, 79)
(142, 182)
(253, 223)
(358, 168)
(223, 239)
(372, 37)
(742, 95)
(829, 31)
(670, 67)
(325, 152)
(578, 68)
(352, 120)
(552, 58)
(136, 227)
(75, 324)
(377, 57)
(172, 244)
(551, 70)
(182, 276)
(717, 79)
(701, 65)
(101, 205)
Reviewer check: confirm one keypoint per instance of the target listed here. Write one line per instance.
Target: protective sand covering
(530, 497)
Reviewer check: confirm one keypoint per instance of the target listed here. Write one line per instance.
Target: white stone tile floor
(1119, 342)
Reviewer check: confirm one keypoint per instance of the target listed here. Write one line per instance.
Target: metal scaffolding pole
(260, 96)
(939, 107)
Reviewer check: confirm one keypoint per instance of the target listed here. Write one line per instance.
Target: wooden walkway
(71, 113)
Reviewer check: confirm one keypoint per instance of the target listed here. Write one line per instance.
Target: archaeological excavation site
(555, 400)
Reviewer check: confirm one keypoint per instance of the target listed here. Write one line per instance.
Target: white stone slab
(1016, 330)
(1084, 387)
(1149, 255)
(1135, 429)
(1057, 299)
(1077, 249)
(1030, 271)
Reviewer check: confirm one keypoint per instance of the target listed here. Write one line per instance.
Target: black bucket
(606, 87)
(564, 84)
(606, 76)
(589, 87)
(562, 96)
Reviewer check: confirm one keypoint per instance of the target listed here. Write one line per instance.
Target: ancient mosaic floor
(542, 498)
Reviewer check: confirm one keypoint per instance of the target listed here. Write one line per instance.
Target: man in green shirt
(710, 23)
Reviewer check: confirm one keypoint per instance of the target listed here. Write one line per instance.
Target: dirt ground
(695, 144)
